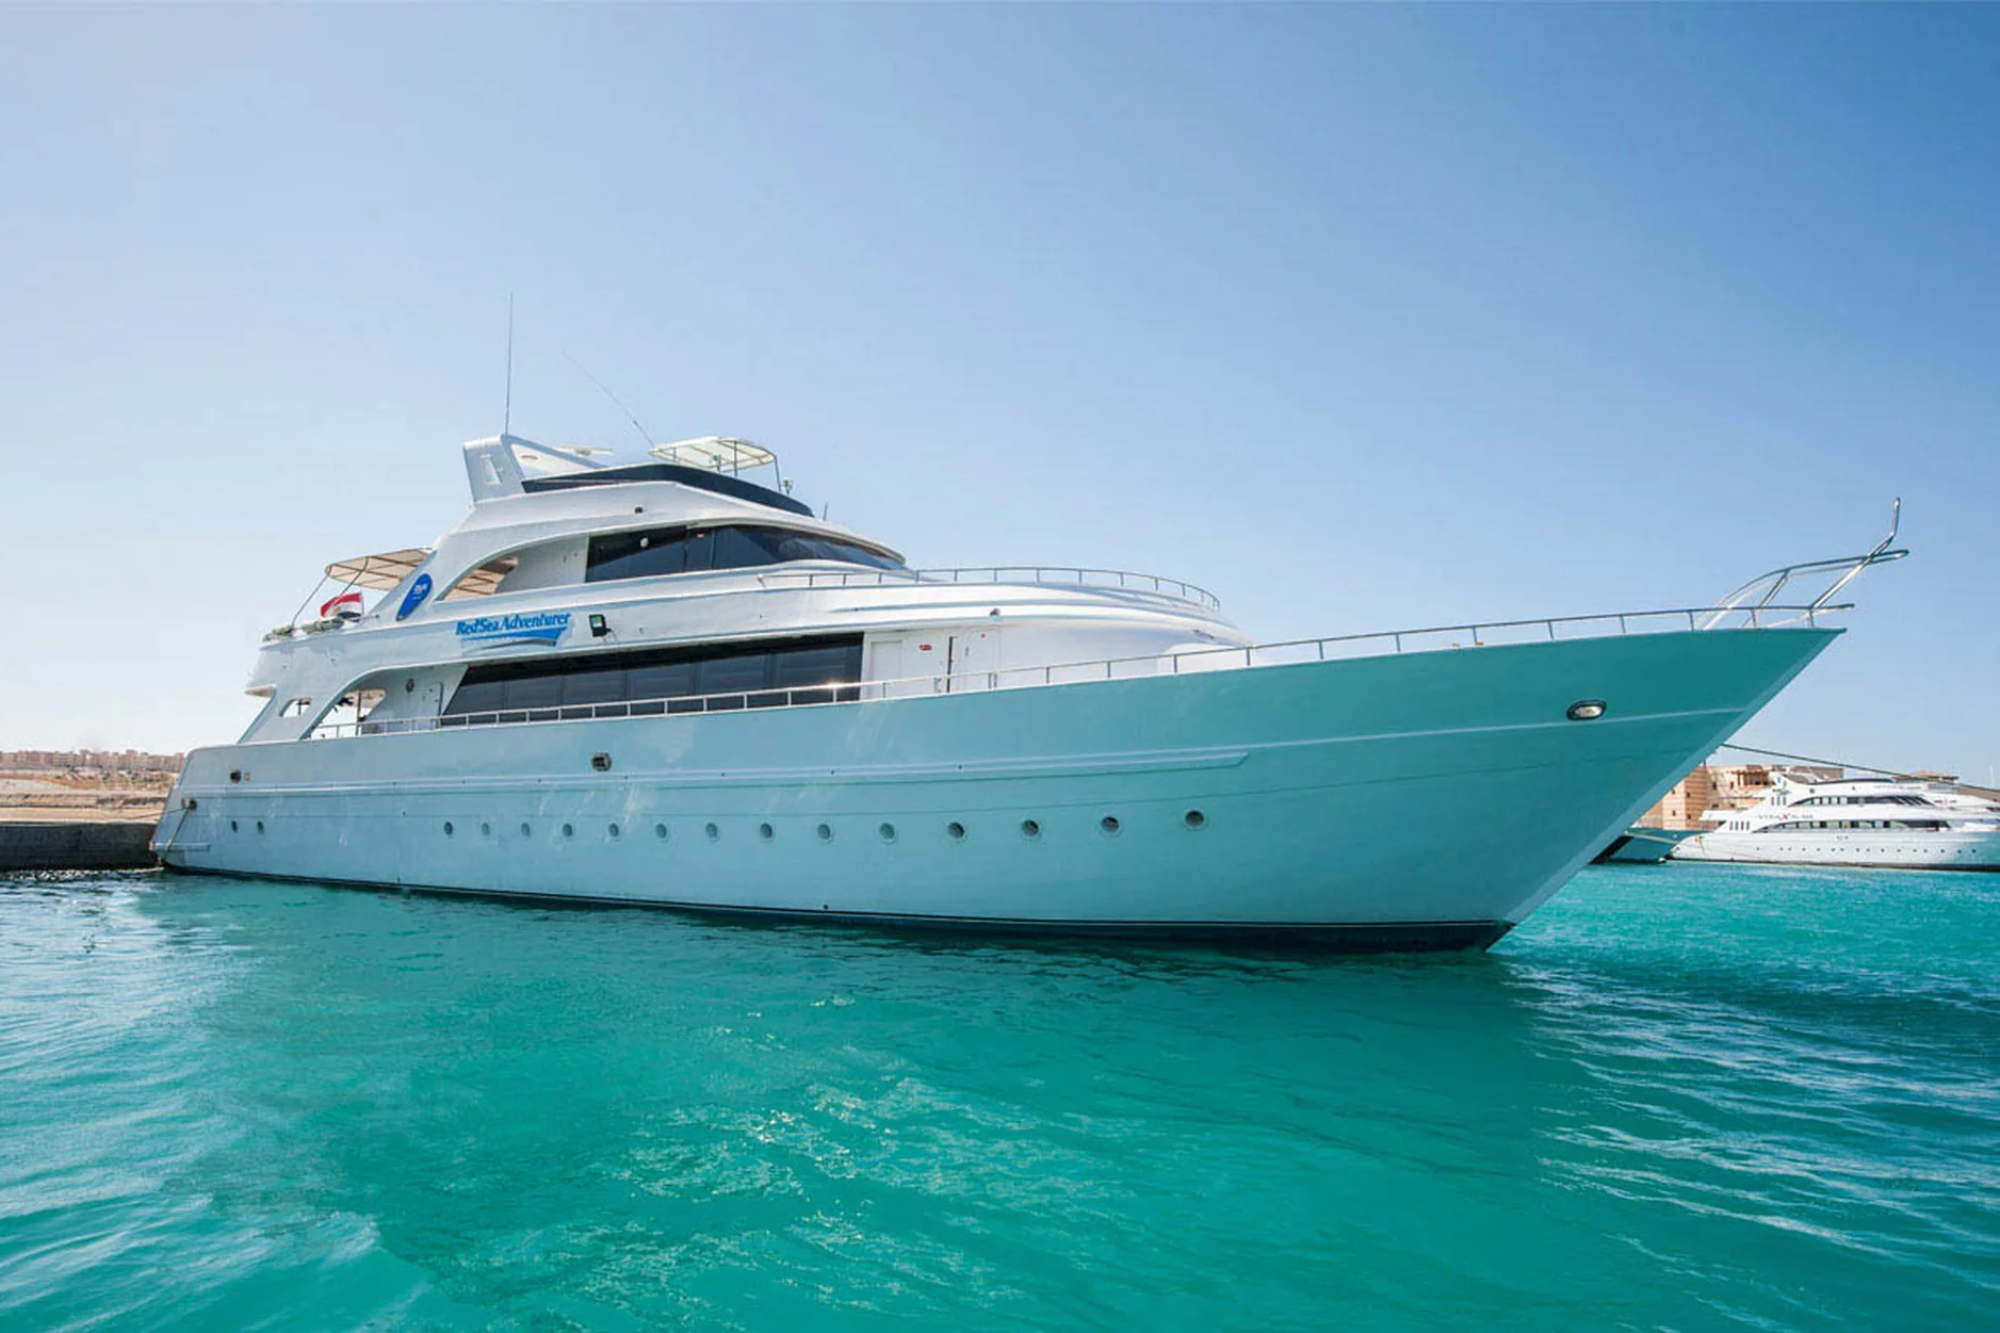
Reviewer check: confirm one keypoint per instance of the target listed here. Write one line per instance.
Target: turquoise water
(1679, 1097)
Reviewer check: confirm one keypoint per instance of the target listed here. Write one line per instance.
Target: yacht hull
(1644, 846)
(1418, 801)
(1883, 849)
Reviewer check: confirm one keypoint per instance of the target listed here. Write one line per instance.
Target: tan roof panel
(380, 572)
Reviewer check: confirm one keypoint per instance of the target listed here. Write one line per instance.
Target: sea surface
(1679, 1097)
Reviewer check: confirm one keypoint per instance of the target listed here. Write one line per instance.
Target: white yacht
(663, 682)
(1893, 822)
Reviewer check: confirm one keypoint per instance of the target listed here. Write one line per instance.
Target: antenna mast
(507, 411)
(618, 402)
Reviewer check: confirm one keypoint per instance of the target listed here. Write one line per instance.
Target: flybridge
(511, 465)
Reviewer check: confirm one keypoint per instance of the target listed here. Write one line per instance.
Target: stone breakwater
(94, 845)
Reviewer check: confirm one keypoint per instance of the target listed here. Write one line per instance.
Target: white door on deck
(975, 660)
(904, 663)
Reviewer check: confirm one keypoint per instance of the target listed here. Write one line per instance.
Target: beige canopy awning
(380, 572)
(385, 571)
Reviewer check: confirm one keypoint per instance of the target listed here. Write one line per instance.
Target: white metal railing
(1225, 658)
(1763, 590)
(1058, 576)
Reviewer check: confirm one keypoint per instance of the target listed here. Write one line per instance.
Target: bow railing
(1762, 591)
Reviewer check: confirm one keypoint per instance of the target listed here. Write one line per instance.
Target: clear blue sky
(1363, 317)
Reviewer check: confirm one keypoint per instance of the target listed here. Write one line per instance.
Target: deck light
(1586, 710)
(598, 629)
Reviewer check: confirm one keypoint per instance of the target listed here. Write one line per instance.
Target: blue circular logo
(414, 598)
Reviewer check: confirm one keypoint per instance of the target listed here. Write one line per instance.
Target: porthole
(660, 832)
(612, 829)
(526, 832)
(569, 830)
(1030, 829)
(713, 832)
(825, 832)
(1585, 710)
(447, 828)
(1195, 819)
(485, 830)
(955, 831)
(260, 826)
(764, 832)
(888, 832)
(1109, 824)
(232, 826)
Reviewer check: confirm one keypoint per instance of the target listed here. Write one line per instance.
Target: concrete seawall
(75, 846)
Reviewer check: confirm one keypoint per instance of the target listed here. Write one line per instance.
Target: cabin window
(664, 680)
(594, 687)
(661, 551)
(813, 666)
(745, 675)
(739, 671)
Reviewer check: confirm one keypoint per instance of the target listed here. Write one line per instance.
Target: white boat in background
(1899, 823)
(663, 683)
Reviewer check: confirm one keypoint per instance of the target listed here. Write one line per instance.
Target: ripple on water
(1679, 1096)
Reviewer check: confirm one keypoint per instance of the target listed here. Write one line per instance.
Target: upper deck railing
(1442, 638)
(1054, 576)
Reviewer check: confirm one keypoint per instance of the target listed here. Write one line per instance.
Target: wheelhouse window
(712, 677)
(658, 551)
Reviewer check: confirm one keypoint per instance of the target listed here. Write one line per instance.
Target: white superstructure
(1894, 822)
(661, 682)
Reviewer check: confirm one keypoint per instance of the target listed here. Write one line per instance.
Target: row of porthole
(1031, 829)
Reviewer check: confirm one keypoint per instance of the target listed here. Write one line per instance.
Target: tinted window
(801, 546)
(534, 692)
(594, 687)
(815, 666)
(700, 551)
(743, 548)
(666, 673)
(670, 680)
(637, 555)
(482, 696)
(724, 675)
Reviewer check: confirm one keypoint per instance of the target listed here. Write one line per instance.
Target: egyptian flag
(347, 606)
